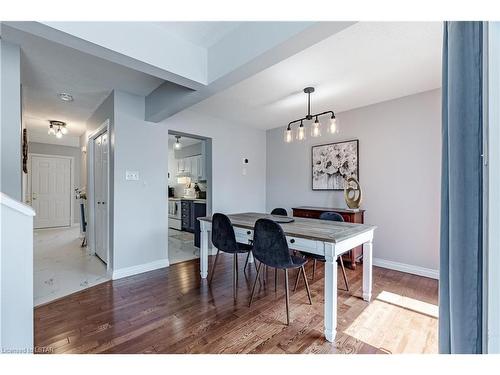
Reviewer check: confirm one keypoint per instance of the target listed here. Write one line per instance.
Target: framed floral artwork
(333, 164)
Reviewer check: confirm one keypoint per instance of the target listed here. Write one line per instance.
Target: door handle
(33, 196)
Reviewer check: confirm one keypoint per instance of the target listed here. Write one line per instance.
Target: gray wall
(10, 115)
(140, 207)
(51, 149)
(104, 112)
(400, 156)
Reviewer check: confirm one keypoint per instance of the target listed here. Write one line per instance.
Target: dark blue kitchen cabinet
(190, 211)
(200, 210)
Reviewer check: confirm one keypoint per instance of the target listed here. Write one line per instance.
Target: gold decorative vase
(353, 194)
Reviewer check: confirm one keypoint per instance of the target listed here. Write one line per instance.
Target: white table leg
(204, 253)
(330, 295)
(367, 271)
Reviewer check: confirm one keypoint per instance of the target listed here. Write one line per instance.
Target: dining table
(330, 239)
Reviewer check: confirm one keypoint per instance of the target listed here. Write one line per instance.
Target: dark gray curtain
(460, 286)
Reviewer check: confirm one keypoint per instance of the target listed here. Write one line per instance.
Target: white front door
(51, 191)
(101, 196)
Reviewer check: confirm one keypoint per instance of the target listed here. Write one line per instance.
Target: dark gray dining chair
(270, 248)
(224, 240)
(279, 212)
(332, 216)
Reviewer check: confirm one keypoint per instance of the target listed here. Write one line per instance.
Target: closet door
(104, 196)
(101, 196)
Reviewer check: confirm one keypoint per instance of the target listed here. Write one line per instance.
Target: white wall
(400, 162)
(10, 117)
(16, 276)
(493, 190)
(231, 143)
(144, 41)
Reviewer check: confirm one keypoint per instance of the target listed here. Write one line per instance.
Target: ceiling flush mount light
(177, 144)
(65, 97)
(57, 128)
(315, 127)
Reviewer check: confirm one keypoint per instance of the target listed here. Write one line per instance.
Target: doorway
(190, 193)
(61, 265)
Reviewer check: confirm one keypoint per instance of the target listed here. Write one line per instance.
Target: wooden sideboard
(350, 216)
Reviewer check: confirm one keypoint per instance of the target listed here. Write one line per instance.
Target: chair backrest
(269, 244)
(332, 216)
(223, 234)
(279, 211)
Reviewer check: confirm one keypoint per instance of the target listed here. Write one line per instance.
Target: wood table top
(313, 229)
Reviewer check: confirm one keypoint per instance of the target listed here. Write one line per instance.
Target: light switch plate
(132, 175)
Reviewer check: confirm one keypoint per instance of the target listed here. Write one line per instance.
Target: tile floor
(181, 246)
(61, 266)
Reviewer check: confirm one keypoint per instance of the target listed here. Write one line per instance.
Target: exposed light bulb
(288, 135)
(333, 128)
(301, 132)
(64, 130)
(51, 130)
(315, 128)
(58, 133)
(177, 144)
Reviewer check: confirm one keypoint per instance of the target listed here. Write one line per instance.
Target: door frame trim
(72, 182)
(91, 137)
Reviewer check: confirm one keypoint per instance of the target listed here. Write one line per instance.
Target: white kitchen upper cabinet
(194, 166)
(180, 165)
(201, 168)
(193, 163)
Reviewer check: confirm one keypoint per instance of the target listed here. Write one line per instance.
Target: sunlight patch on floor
(397, 324)
(409, 303)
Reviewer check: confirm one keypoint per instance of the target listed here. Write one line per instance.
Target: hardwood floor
(172, 311)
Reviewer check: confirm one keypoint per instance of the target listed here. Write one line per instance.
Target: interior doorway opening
(189, 193)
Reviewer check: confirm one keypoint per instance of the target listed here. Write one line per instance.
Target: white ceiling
(367, 63)
(203, 33)
(48, 68)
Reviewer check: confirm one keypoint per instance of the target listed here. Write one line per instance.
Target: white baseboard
(408, 268)
(141, 268)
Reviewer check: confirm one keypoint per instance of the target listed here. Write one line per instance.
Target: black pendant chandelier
(315, 127)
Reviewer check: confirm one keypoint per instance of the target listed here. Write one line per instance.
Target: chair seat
(321, 258)
(243, 247)
(297, 262)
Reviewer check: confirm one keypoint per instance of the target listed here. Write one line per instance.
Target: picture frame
(333, 163)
